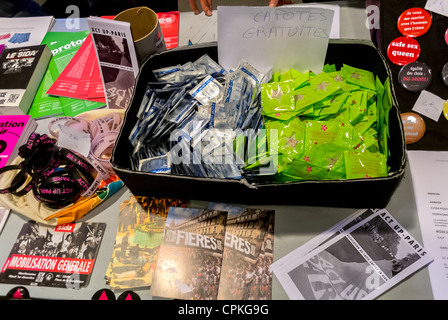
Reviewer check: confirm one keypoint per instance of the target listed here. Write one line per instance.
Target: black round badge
(445, 74)
(415, 76)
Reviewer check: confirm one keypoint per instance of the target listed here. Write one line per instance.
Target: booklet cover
(139, 234)
(4, 213)
(24, 31)
(63, 256)
(190, 256)
(117, 59)
(358, 259)
(169, 23)
(14, 132)
(248, 253)
(21, 72)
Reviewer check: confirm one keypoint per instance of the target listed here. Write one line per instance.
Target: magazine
(117, 59)
(190, 256)
(139, 234)
(358, 259)
(62, 256)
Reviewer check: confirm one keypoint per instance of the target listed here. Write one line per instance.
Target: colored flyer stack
(117, 59)
(64, 46)
(139, 234)
(63, 256)
(14, 132)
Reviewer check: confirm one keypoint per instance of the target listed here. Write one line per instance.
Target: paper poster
(274, 38)
(429, 171)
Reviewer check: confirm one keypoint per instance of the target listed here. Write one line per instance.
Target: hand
(276, 3)
(205, 4)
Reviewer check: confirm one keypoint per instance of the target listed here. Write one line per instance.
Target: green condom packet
(365, 165)
(325, 162)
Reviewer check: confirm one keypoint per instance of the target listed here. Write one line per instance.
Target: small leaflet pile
(198, 120)
(359, 258)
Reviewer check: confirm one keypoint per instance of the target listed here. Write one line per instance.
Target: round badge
(414, 22)
(104, 294)
(414, 127)
(445, 74)
(415, 76)
(403, 50)
(445, 109)
(446, 36)
(128, 295)
(18, 293)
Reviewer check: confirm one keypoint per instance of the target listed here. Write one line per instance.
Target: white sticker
(74, 140)
(429, 105)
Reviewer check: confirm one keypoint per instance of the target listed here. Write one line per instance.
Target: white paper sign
(274, 38)
(437, 6)
(429, 104)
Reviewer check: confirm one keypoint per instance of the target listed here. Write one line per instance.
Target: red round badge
(414, 22)
(446, 36)
(403, 50)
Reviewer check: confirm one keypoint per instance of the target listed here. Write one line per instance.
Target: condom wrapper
(365, 165)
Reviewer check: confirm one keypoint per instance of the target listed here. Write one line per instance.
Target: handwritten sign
(437, 6)
(74, 140)
(274, 38)
(429, 105)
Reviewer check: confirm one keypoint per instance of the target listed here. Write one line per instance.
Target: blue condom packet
(207, 91)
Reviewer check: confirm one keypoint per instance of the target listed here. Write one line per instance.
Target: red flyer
(169, 22)
(75, 80)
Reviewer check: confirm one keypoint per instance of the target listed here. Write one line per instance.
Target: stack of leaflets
(14, 132)
(63, 256)
(24, 31)
(357, 259)
(220, 253)
(117, 59)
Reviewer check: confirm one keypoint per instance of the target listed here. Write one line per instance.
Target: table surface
(294, 225)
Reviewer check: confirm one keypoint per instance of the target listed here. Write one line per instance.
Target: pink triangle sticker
(128, 297)
(17, 294)
(103, 296)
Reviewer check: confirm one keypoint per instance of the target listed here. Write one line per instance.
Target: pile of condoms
(198, 120)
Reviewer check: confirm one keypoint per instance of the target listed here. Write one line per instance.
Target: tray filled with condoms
(196, 131)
